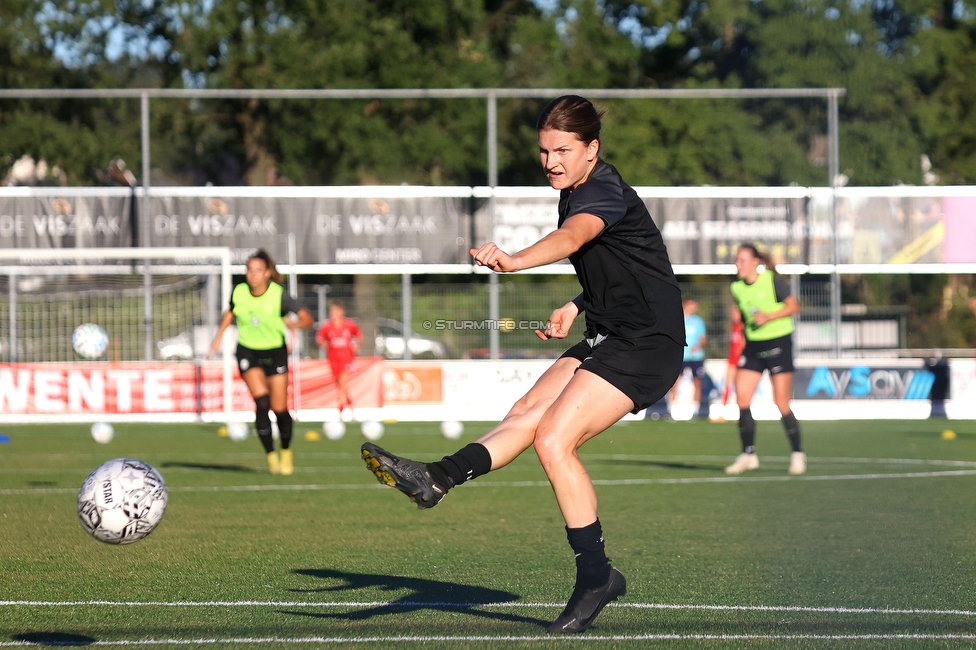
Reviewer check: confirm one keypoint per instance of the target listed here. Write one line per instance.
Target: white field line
(548, 639)
(504, 605)
(340, 456)
(314, 487)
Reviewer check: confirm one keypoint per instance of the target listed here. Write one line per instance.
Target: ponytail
(762, 256)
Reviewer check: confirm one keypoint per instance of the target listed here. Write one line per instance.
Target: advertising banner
(63, 220)
(412, 383)
(166, 388)
(436, 225)
(862, 382)
(708, 230)
(696, 230)
(328, 230)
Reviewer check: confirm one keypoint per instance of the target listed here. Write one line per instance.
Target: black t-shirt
(628, 283)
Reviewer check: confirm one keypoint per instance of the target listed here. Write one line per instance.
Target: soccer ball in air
(372, 430)
(122, 501)
(334, 430)
(452, 429)
(102, 432)
(238, 431)
(89, 340)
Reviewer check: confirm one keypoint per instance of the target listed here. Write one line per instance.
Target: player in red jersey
(737, 341)
(340, 337)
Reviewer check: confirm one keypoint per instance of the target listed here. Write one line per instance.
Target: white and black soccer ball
(102, 432)
(89, 340)
(334, 430)
(122, 501)
(451, 429)
(372, 430)
(238, 431)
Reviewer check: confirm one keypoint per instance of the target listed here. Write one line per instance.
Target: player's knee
(549, 447)
(284, 418)
(262, 410)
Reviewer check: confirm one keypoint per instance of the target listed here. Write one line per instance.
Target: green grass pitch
(874, 548)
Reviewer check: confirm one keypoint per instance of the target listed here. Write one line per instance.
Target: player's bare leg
(517, 430)
(258, 383)
(585, 408)
(278, 387)
(342, 386)
(782, 390)
(746, 382)
(427, 483)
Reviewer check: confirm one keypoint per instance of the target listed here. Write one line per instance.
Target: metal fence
(449, 316)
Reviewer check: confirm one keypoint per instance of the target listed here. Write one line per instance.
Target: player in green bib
(767, 308)
(260, 306)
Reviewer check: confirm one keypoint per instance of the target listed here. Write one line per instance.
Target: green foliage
(906, 64)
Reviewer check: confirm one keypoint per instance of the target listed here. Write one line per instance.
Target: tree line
(909, 115)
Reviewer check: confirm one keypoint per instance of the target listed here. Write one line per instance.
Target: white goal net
(159, 308)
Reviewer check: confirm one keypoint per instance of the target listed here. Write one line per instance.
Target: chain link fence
(448, 315)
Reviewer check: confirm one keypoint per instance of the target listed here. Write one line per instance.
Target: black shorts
(697, 368)
(774, 355)
(642, 368)
(272, 362)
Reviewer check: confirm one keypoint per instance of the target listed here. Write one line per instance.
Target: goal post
(158, 305)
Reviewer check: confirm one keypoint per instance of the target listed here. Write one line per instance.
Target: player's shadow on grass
(53, 638)
(214, 467)
(659, 463)
(422, 594)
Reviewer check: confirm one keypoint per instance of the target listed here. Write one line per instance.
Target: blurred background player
(737, 341)
(694, 354)
(340, 338)
(263, 311)
(767, 309)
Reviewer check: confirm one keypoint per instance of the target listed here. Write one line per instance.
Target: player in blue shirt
(694, 355)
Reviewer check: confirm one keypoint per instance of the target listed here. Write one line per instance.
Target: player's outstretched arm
(576, 231)
(225, 322)
(303, 319)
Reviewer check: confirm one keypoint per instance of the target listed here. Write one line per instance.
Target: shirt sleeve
(289, 304)
(782, 288)
(600, 198)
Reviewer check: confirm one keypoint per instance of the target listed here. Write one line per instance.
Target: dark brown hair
(761, 255)
(572, 114)
(265, 257)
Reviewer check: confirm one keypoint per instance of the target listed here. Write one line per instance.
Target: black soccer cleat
(409, 476)
(585, 604)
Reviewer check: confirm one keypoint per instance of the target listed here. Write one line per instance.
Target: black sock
(468, 463)
(284, 428)
(792, 428)
(592, 564)
(262, 422)
(747, 431)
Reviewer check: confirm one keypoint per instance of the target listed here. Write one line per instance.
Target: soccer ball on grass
(452, 429)
(372, 430)
(122, 501)
(102, 432)
(334, 430)
(238, 431)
